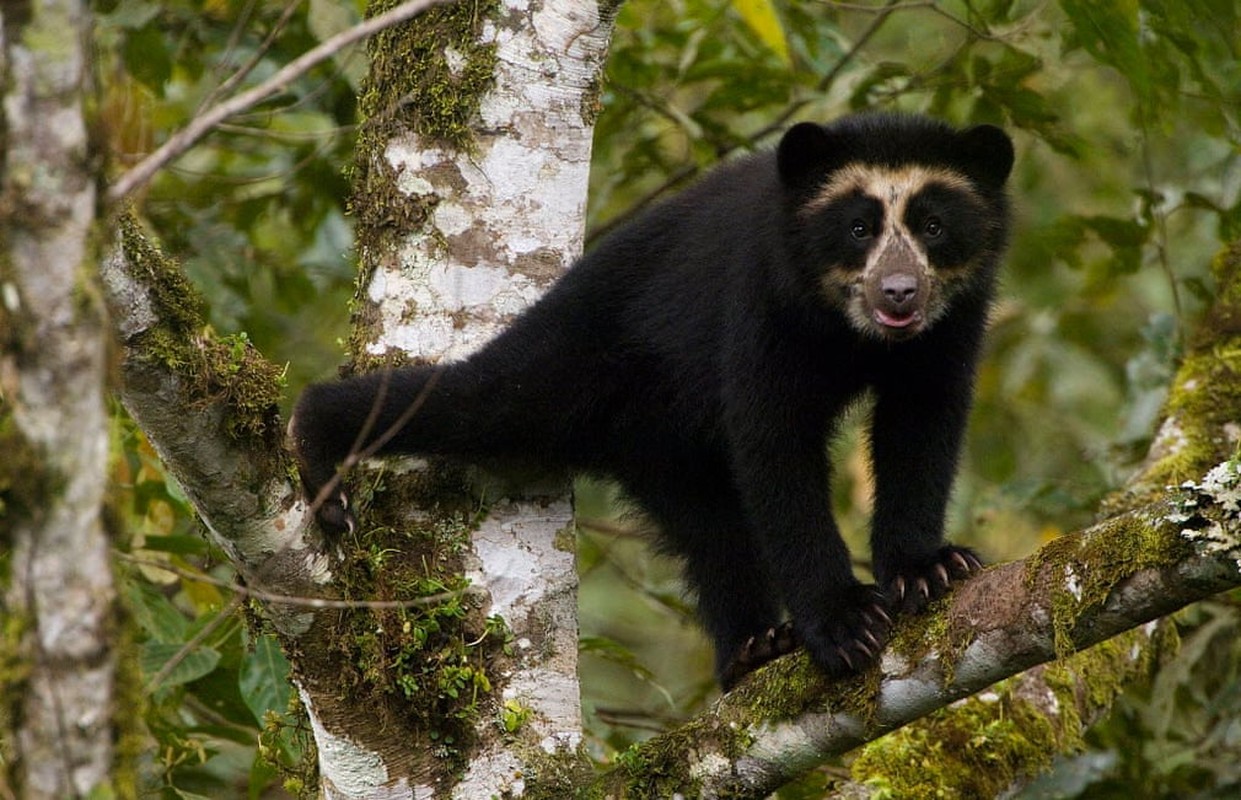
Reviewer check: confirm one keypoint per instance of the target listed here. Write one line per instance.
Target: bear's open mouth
(893, 321)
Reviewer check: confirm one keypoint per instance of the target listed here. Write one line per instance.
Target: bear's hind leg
(737, 604)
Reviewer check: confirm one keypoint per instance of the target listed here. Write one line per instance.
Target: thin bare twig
(293, 600)
(201, 125)
(256, 58)
(223, 616)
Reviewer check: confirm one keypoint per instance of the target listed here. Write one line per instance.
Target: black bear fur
(701, 356)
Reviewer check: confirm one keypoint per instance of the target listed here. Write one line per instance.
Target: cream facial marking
(894, 185)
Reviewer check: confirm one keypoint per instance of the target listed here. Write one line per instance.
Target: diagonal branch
(208, 407)
(788, 718)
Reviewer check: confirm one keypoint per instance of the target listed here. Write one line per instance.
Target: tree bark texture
(465, 216)
(60, 599)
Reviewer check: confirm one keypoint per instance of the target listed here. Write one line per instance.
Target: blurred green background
(1126, 121)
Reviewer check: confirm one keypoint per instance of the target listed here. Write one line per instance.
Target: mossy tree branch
(1173, 537)
(208, 406)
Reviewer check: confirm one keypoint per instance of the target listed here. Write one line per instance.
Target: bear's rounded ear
(987, 153)
(806, 151)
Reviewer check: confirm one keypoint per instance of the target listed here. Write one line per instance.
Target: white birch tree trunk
(60, 591)
(506, 217)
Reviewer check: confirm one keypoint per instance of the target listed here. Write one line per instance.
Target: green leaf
(146, 57)
(132, 14)
(761, 16)
(156, 615)
(613, 651)
(264, 678)
(1108, 30)
(197, 663)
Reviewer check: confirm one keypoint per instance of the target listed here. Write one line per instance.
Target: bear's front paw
(850, 633)
(913, 583)
(757, 651)
(334, 515)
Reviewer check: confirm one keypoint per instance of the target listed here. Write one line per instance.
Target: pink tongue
(894, 322)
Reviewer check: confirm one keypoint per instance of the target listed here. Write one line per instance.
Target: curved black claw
(334, 515)
(912, 584)
(757, 651)
(850, 635)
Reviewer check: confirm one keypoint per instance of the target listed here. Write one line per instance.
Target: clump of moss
(1088, 568)
(792, 685)
(935, 630)
(216, 369)
(1225, 313)
(432, 71)
(234, 372)
(432, 665)
(554, 776)
(363, 361)
(979, 746)
(664, 766)
(975, 749)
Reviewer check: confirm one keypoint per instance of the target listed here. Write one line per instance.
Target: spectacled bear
(702, 354)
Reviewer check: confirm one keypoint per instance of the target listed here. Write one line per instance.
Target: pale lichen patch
(1220, 488)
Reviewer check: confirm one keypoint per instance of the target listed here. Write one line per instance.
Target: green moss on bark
(666, 766)
(555, 776)
(432, 669)
(427, 77)
(1087, 568)
(980, 746)
(971, 750)
(215, 369)
(432, 72)
(793, 685)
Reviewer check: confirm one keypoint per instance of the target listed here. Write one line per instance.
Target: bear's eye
(932, 228)
(859, 230)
